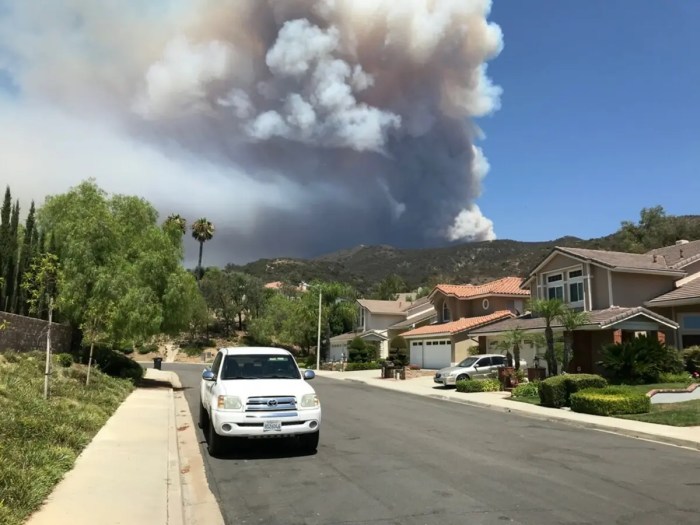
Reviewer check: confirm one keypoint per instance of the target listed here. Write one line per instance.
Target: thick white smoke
(363, 108)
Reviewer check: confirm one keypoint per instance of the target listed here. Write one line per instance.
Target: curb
(667, 440)
(191, 494)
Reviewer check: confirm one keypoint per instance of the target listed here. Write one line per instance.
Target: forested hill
(365, 266)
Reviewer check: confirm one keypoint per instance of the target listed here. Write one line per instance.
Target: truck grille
(275, 403)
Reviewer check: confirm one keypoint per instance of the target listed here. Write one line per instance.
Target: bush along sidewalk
(610, 401)
(478, 385)
(556, 391)
(40, 439)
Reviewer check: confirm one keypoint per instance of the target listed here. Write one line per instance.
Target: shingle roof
(349, 336)
(461, 325)
(688, 293)
(505, 286)
(413, 320)
(679, 254)
(620, 260)
(596, 318)
(399, 307)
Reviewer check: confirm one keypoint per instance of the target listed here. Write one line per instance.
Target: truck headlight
(229, 403)
(310, 401)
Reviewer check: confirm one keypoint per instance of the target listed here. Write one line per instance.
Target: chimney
(681, 242)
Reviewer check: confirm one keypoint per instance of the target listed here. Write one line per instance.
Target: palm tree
(513, 339)
(549, 310)
(571, 320)
(177, 221)
(202, 231)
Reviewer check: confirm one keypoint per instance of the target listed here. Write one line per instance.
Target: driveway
(392, 458)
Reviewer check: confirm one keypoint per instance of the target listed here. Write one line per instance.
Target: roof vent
(682, 241)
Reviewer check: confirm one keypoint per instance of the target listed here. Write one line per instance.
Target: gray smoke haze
(296, 126)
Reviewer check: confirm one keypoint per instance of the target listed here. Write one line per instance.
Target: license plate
(272, 426)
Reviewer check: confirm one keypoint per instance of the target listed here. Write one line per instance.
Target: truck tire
(203, 418)
(309, 442)
(215, 443)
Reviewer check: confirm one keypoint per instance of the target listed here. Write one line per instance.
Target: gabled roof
(399, 307)
(597, 320)
(679, 255)
(687, 293)
(507, 286)
(461, 325)
(408, 323)
(618, 261)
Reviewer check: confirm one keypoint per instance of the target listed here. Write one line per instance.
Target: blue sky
(600, 115)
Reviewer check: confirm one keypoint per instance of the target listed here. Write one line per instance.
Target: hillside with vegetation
(365, 266)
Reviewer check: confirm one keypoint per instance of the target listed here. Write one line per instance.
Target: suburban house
(381, 321)
(625, 294)
(462, 309)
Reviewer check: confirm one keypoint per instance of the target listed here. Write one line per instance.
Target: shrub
(526, 390)
(612, 400)
(691, 359)
(683, 377)
(191, 351)
(555, 391)
(640, 360)
(398, 351)
(117, 364)
(478, 385)
(65, 360)
(372, 365)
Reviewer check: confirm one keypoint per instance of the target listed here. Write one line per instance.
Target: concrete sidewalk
(130, 474)
(424, 386)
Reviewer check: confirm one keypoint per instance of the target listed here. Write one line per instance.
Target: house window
(575, 282)
(445, 312)
(690, 330)
(485, 304)
(555, 286)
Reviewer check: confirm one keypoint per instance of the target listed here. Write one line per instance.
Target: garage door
(431, 354)
(437, 354)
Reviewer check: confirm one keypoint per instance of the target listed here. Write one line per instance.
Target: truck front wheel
(309, 442)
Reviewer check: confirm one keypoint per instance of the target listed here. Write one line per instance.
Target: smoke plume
(296, 126)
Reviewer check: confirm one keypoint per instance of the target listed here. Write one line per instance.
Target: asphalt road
(392, 458)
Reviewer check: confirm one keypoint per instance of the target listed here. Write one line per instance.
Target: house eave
(673, 302)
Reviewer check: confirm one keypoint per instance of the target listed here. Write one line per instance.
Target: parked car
(258, 393)
(473, 367)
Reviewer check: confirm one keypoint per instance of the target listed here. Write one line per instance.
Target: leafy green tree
(27, 253)
(549, 310)
(654, 229)
(119, 268)
(44, 282)
(220, 295)
(389, 288)
(202, 231)
(571, 320)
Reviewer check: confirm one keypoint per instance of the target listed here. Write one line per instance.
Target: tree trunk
(48, 352)
(199, 263)
(92, 347)
(240, 321)
(516, 355)
(551, 358)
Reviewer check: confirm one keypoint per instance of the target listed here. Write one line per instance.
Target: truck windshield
(259, 367)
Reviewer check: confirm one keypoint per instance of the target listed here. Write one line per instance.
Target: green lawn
(685, 414)
(658, 386)
(535, 400)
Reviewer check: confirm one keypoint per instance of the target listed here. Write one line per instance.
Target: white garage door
(338, 351)
(437, 354)
(431, 354)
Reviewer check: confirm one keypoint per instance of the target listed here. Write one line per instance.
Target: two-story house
(461, 309)
(380, 321)
(624, 294)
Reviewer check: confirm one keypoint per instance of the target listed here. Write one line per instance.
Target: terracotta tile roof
(597, 319)
(505, 286)
(461, 325)
(688, 293)
(679, 254)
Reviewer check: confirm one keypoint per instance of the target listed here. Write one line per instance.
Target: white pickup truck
(258, 393)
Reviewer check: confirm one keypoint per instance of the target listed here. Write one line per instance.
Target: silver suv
(473, 367)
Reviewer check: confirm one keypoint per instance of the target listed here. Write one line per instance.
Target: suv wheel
(215, 442)
(309, 442)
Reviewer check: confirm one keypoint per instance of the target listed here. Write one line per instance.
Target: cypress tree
(25, 259)
(5, 218)
(11, 258)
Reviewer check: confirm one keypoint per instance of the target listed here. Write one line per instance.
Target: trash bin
(156, 362)
(388, 370)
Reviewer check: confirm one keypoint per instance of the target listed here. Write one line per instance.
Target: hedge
(610, 401)
(478, 385)
(555, 391)
(372, 365)
(526, 390)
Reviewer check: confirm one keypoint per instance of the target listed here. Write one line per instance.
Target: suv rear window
(259, 367)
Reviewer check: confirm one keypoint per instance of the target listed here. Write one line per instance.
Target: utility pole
(318, 338)
(48, 351)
